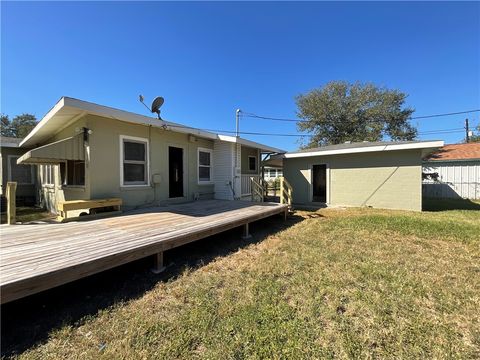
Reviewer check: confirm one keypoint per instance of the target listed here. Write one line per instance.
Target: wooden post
(11, 202)
(158, 263)
(281, 190)
(252, 188)
(289, 196)
(246, 232)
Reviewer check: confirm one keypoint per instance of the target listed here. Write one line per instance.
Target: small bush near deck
(356, 283)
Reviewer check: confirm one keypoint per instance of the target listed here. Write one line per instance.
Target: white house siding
(456, 179)
(271, 173)
(223, 167)
(237, 183)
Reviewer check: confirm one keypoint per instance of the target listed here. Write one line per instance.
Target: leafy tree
(342, 111)
(476, 137)
(19, 127)
(5, 128)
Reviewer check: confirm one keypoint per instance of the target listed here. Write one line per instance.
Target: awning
(67, 149)
(275, 161)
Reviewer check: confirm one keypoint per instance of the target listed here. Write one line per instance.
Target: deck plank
(39, 257)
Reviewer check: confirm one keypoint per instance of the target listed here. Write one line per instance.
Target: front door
(319, 183)
(175, 171)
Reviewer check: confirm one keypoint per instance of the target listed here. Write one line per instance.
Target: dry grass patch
(340, 283)
(25, 214)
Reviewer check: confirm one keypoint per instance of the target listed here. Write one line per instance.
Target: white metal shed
(458, 170)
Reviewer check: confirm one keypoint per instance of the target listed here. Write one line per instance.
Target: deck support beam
(246, 232)
(158, 263)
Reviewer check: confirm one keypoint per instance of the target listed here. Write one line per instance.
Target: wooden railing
(258, 189)
(285, 192)
(246, 183)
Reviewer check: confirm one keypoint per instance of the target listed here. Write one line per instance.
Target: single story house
(454, 172)
(90, 151)
(24, 175)
(271, 173)
(374, 174)
(272, 167)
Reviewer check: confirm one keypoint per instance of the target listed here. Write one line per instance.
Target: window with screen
(22, 174)
(134, 161)
(73, 172)
(204, 165)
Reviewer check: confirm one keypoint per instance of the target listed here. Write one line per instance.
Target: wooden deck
(41, 256)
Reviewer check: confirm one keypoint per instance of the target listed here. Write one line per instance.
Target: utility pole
(237, 119)
(467, 131)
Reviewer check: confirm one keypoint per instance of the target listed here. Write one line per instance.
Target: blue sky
(208, 59)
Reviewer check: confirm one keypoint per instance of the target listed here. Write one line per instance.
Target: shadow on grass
(27, 213)
(430, 204)
(27, 322)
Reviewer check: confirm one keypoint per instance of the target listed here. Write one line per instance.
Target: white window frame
(256, 163)
(9, 170)
(147, 160)
(204, 182)
(43, 171)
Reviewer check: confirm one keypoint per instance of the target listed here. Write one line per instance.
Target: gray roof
(6, 141)
(355, 145)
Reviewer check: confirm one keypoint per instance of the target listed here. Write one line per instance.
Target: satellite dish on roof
(156, 105)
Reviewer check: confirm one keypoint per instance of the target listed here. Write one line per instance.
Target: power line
(441, 130)
(446, 114)
(429, 132)
(252, 115)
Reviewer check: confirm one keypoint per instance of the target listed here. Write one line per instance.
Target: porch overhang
(66, 149)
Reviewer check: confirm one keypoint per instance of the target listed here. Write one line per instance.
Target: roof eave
(80, 108)
(60, 104)
(253, 144)
(83, 107)
(424, 145)
(449, 160)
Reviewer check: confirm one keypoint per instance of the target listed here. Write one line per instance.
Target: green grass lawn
(355, 283)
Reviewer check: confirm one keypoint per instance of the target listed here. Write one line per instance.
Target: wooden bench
(64, 207)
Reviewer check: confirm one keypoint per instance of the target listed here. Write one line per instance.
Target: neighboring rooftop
(10, 141)
(367, 146)
(452, 152)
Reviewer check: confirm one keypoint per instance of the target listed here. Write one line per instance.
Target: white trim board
(147, 156)
(210, 151)
(364, 149)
